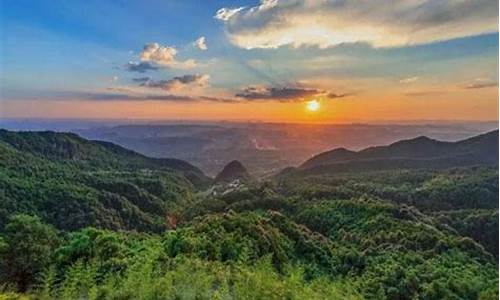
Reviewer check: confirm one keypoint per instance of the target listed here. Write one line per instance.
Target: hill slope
(71, 182)
(420, 152)
(233, 171)
(70, 147)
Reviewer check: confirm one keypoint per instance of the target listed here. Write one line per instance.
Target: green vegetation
(71, 183)
(82, 221)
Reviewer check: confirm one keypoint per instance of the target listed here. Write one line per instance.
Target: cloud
(481, 84)
(164, 56)
(110, 94)
(219, 99)
(409, 80)
(140, 67)
(120, 93)
(278, 93)
(383, 23)
(129, 97)
(224, 14)
(283, 93)
(180, 83)
(332, 95)
(150, 97)
(201, 43)
(142, 79)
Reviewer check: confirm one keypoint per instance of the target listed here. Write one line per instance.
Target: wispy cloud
(409, 80)
(383, 23)
(481, 83)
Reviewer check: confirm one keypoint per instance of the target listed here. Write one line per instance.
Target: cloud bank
(281, 93)
(285, 93)
(382, 23)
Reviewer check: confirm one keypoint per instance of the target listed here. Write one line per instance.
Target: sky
(360, 60)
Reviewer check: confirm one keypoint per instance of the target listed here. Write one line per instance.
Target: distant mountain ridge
(413, 153)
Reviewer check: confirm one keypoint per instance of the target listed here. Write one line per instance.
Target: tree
(27, 248)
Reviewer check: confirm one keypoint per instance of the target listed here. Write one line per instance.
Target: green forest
(83, 219)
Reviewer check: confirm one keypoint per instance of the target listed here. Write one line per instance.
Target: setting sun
(312, 105)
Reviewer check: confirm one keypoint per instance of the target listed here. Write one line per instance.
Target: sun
(312, 105)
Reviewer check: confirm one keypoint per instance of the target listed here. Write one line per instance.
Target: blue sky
(65, 49)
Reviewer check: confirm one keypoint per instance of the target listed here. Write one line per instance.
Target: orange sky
(469, 105)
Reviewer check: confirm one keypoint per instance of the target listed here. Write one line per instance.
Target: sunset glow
(313, 105)
(246, 63)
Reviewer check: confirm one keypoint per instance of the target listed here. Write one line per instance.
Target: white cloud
(164, 56)
(201, 43)
(225, 14)
(382, 23)
(409, 80)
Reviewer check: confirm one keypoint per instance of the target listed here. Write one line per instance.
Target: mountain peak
(420, 139)
(232, 171)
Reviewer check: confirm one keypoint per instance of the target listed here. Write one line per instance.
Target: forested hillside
(83, 219)
(71, 183)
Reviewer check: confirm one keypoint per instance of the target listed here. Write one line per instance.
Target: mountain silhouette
(412, 153)
(233, 171)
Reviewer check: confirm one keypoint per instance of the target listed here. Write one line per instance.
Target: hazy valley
(264, 148)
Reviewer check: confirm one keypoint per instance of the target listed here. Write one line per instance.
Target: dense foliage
(71, 183)
(80, 228)
(473, 187)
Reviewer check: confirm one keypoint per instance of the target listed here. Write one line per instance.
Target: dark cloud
(481, 85)
(218, 99)
(140, 67)
(286, 93)
(332, 95)
(196, 80)
(141, 79)
(278, 93)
